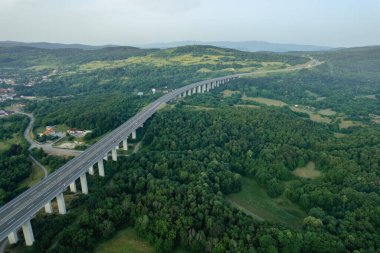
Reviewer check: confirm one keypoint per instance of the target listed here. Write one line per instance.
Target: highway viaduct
(17, 213)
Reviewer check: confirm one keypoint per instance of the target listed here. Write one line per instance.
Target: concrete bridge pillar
(13, 237)
(199, 89)
(73, 187)
(101, 168)
(184, 94)
(134, 135)
(208, 87)
(83, 183)
(48, 207)
(28, 233)
(106, 157)
(125, 144)
(194, 90)
(189, 92)
(61, 203)
(91, 170)
(204, 88)
(114, 154)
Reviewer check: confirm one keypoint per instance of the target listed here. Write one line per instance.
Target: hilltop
(249, 46)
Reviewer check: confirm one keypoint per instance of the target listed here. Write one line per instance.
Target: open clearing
(249, 106)
(253, 198)
(36, 176)
(159, 60)
(68, 145)
(127, 241)
(229, 93)
(344, 123)
(327, 112)
(313, 115)
(266, 101)
(308, 171)
(6, 144)
(340, 135)
(200, 108)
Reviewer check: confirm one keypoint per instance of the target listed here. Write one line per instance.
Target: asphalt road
(48, 147)
(24, 207)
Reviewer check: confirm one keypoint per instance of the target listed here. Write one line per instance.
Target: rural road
(39, 165)
(48, 148)
(4, 243)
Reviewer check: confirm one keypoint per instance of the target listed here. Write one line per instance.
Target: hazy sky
(129, 22)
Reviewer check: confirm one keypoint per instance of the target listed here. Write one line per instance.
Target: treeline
(14, 163)
(253, 142)
(53, 162)
(97, 112)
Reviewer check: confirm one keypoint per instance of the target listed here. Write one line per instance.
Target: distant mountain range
(250, 46)
(47, 45)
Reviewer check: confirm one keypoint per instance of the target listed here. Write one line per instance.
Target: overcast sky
(131, 22)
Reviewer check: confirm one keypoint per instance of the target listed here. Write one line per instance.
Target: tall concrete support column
(204, 88)
(106, 157)
(134, 135)
(73, 187)
(91, 170)
(125, 144)
(83, 184)
(114, 154)
(189, 92)
(48, 208)
(101, 168)
(28, 233)
(199, 89)
(194, 90)
(61, 203)
(13, 237)
(184, 94)
(208, 87)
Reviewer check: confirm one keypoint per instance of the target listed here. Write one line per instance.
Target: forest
(172, 191)
(14, 163)
(196, 151)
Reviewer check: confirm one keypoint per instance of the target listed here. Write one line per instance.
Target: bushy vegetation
(172, 192)
(14, 163)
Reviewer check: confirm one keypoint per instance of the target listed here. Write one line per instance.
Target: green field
(255, 201)
(127, 241)
(6, 144)
(307, 171)
(36, 176)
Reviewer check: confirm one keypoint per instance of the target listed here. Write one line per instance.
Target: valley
(287, 152)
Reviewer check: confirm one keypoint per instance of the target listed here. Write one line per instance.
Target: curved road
(48, 148)
(26, 205)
